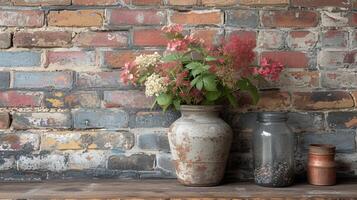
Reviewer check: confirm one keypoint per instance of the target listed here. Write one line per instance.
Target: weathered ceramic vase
(200, 142)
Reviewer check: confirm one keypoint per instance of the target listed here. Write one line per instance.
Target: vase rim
(201, 108)
(322, 149)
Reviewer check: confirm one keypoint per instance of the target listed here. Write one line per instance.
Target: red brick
(141, 37)
(300, 79)
(336, 59)
(12, 142)
(264, 2)
(289, 19)
(182, 2)
(334, 19)
(21, 18)
(302, 39)
(210, 36)
(62, 59)
(84, 99)
(274, 100)
(219, 2)
(269, 101)
(146, 2)
(136, 17)
(79, 18)
(354, 39)
(322, 100)
(354, 4)
(197, 17)
(99, 80)
(76, 99)
(271, 39)
(293, 80)
(320, 3)
(291, 59)
(42, 39)
(5, 2)
(5, 40)
(353, 19)
(95, 2)
(102, 39)
(128, 99)
(117, 59)
(244, 35)
(41, 2)
(338, 79)
(334, 39)
(4, 120)
(20, 99)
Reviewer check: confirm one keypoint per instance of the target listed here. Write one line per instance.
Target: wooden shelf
(166, 189)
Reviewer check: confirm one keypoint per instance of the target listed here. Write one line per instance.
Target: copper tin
(321, 165)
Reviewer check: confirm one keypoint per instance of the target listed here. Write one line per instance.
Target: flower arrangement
(193, 73)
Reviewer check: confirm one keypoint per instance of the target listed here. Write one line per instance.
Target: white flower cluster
(154, 85)
(145, 61)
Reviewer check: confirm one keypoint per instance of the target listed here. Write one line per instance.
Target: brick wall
(65, 112)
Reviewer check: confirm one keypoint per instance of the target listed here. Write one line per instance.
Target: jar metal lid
(272, 116)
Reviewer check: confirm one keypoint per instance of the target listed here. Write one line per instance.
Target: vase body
(200, 142)
(321, 164)
(273, 150)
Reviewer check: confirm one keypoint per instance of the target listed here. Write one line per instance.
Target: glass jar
(273, 150)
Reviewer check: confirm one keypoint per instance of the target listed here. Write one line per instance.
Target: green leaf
(199, 84)
(245, 85)
(185, 59)
(210, 83)
(143, 79)
(206, 67)
(194, 65)
(232, 100)
(210, 58)
(171, 57)
(213, 96)
(177, 104)
(194, 81)
(164, 99)
(197, 71)
(154, 104)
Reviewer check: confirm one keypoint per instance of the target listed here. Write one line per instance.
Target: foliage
(192, 73)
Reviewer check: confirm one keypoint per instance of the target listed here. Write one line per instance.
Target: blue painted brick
(41, 120)
(20, 59)
(140, 162)
(342, 120)
(154, 119)
(164, 162)
(4, 80)
(153, 140)
(43, 80)
(100, 118)
(343, 140)
(306, 121)
(298, 122)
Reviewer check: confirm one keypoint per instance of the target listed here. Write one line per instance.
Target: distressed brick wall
(65, 113)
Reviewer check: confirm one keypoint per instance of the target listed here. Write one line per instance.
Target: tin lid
(322, 149)
(272, 117)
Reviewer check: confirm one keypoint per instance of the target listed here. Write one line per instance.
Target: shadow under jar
(273, 149)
